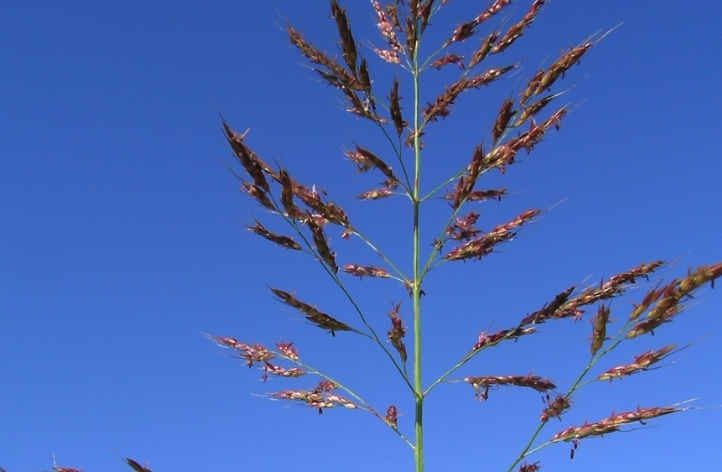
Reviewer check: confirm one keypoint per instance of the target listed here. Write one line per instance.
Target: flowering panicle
(482, 384)
(322, 320)
(641, 362)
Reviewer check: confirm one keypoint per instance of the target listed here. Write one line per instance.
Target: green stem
(416, 292)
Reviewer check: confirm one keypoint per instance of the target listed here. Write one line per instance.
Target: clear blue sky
(122, 238)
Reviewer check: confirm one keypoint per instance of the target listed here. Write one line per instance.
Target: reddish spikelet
(363, 163)
(322, 320)
(424, 13)
(616, 285)
(612, 424)
(599, 328)
(555, 408)
(397, 332)
(670, 297)
(326, 212)
(466, 30)
(530, 467)
(279, 371)
(641, 362)
(321, 242)
(650, 324)
(440, 108)
(287, 195)
(388, 55)
(288, 350)
(505, 155)
(136, 466)
(375, 194)
(561, 65)
(338, 76)
(448, 59)
(482, 384)
(387, 23)
(66, 469)
(466, 183)
(251, 353)
(480, 195)
(552, 310)
(563, 307)
(515, 31)
(483, 245)
(489, 76)
(366, 271)
(533, 109)
(369, 157)
(348, 45)
(318, 398)
(463, 228)
(395, 109)
(483, 50)
(488, 340)
(365, 78)
(247, 158)
(531, 88)
(258, 194)
(651, 297)
(502, 119)
(392, 416)
(411, 36)
(279, 239)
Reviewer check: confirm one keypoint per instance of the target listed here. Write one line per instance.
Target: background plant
(121, 242)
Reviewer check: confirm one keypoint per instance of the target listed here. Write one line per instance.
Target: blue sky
(122, 238)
